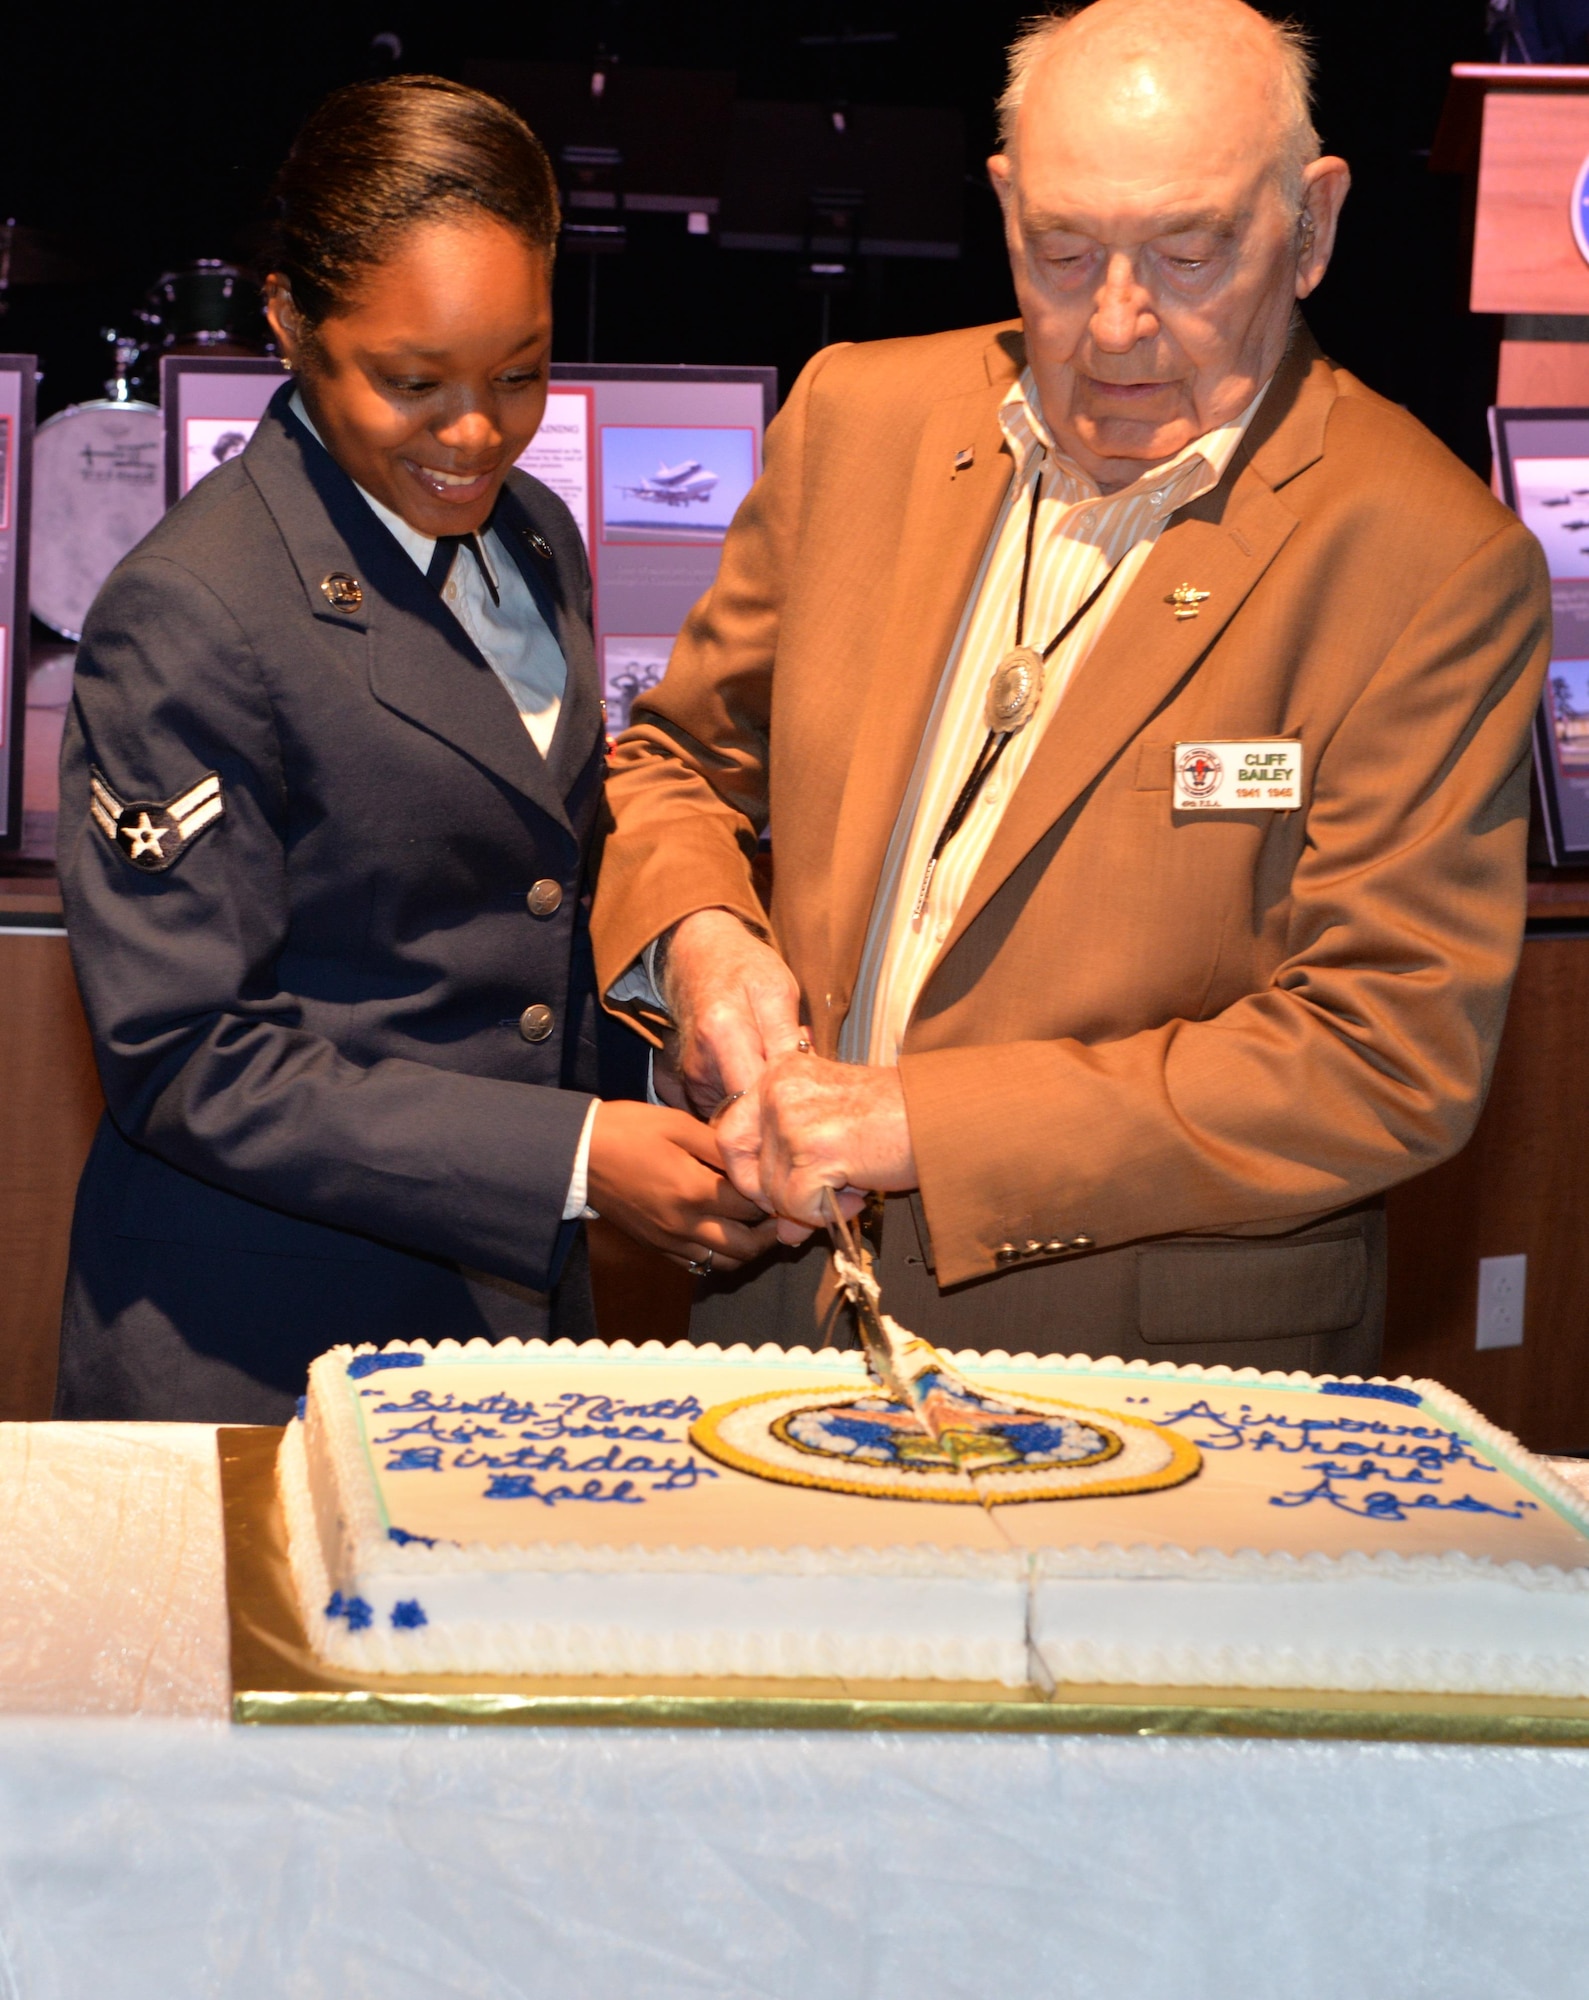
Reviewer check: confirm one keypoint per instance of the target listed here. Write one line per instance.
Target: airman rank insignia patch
(152, 833)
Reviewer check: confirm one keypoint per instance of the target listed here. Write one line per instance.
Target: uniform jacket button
(537, 1022)
(545, 897)
(1006, 1254)
(1055, 1245)
(1081, 1243)
(1033, 1247)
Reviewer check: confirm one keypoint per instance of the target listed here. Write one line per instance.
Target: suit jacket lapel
(948, 518)
(422, 664)
(1222, 543)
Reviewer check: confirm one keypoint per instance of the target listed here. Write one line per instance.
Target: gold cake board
(275, 1678)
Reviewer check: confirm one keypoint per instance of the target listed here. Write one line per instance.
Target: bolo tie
(441, 561)
(1014, 690)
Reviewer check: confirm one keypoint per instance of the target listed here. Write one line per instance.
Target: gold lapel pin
(341, 591)
(1187, 599)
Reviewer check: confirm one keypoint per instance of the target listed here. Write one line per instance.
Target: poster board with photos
(211, 405)
(1543, 457)
(652, 462)
(18, 383)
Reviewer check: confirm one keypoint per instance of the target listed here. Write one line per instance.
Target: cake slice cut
(546, 1509)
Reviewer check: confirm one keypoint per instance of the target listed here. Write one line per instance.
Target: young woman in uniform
(331, 796)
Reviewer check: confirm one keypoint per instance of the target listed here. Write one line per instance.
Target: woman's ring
(703, 1269)
(802, 1047)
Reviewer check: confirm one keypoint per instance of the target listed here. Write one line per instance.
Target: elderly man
(1140, 707)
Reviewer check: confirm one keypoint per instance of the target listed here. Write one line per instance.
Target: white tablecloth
(147, 1848)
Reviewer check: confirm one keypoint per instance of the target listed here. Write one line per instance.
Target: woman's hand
(658, 1174)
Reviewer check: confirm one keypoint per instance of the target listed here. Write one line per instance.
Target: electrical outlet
(1503, 1281)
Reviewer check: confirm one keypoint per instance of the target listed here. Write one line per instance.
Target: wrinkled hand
(735, 1005)
(810, 1124)
(658, 1175)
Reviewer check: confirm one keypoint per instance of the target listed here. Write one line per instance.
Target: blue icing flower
(372, 1364)
(353, 1609)
(408, 1616)
(1384, 1392)
(334, 1605)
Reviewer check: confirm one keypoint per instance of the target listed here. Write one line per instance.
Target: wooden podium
(1521, 135)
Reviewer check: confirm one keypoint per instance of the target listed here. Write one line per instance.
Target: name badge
(1238, 777)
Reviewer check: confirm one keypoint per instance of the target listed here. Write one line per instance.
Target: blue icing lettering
(1384, 1392)
(555, 1458)
(1383, 1506)
(402, 1537)
(553, 1449)
(372, 1364)
(570, 1415)
(522, 1486)
(572, 1445)
(408, 1616)
(1358, 1462)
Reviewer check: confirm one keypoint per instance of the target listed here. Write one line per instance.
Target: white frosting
(1263, 1571)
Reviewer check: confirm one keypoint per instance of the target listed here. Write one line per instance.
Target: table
(149, 1848)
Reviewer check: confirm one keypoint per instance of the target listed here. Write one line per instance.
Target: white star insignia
(145, 837)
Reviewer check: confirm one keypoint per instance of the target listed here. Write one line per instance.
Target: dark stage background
(150, 139)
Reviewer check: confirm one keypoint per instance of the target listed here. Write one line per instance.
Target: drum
(98, 488)
(206, 308)
(208, 305)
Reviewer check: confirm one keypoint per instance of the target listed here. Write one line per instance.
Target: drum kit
(98, 467)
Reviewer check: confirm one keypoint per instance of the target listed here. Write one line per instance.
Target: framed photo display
(18, 380)
(211, 403)
(652, 461)
(1543, 458)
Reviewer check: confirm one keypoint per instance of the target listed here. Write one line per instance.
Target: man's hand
(810, 1124)
(734, 1003)
(658, 1175)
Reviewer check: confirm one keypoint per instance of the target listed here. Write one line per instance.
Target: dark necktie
(441, 561)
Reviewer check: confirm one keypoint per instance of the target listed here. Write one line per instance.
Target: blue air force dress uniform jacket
(326, 903)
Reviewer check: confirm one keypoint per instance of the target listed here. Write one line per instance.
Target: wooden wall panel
(1524, 257)
(49, 1106)
(1544, 374)
(1521, 1184)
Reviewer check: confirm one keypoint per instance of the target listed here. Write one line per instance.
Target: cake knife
(897, 1359)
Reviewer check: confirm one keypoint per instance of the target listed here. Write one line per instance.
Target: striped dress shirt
(1080, 536)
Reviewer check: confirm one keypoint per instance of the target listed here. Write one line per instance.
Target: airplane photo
(673, 482)
(674, 485)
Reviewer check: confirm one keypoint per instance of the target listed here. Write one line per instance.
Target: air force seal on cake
(990, 1448)
(153, 833)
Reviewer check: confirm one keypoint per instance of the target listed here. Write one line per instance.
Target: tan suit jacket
(1145, 1025)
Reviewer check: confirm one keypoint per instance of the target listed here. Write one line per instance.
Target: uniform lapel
(948, 518)
(1221, 544)
(422, 664)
